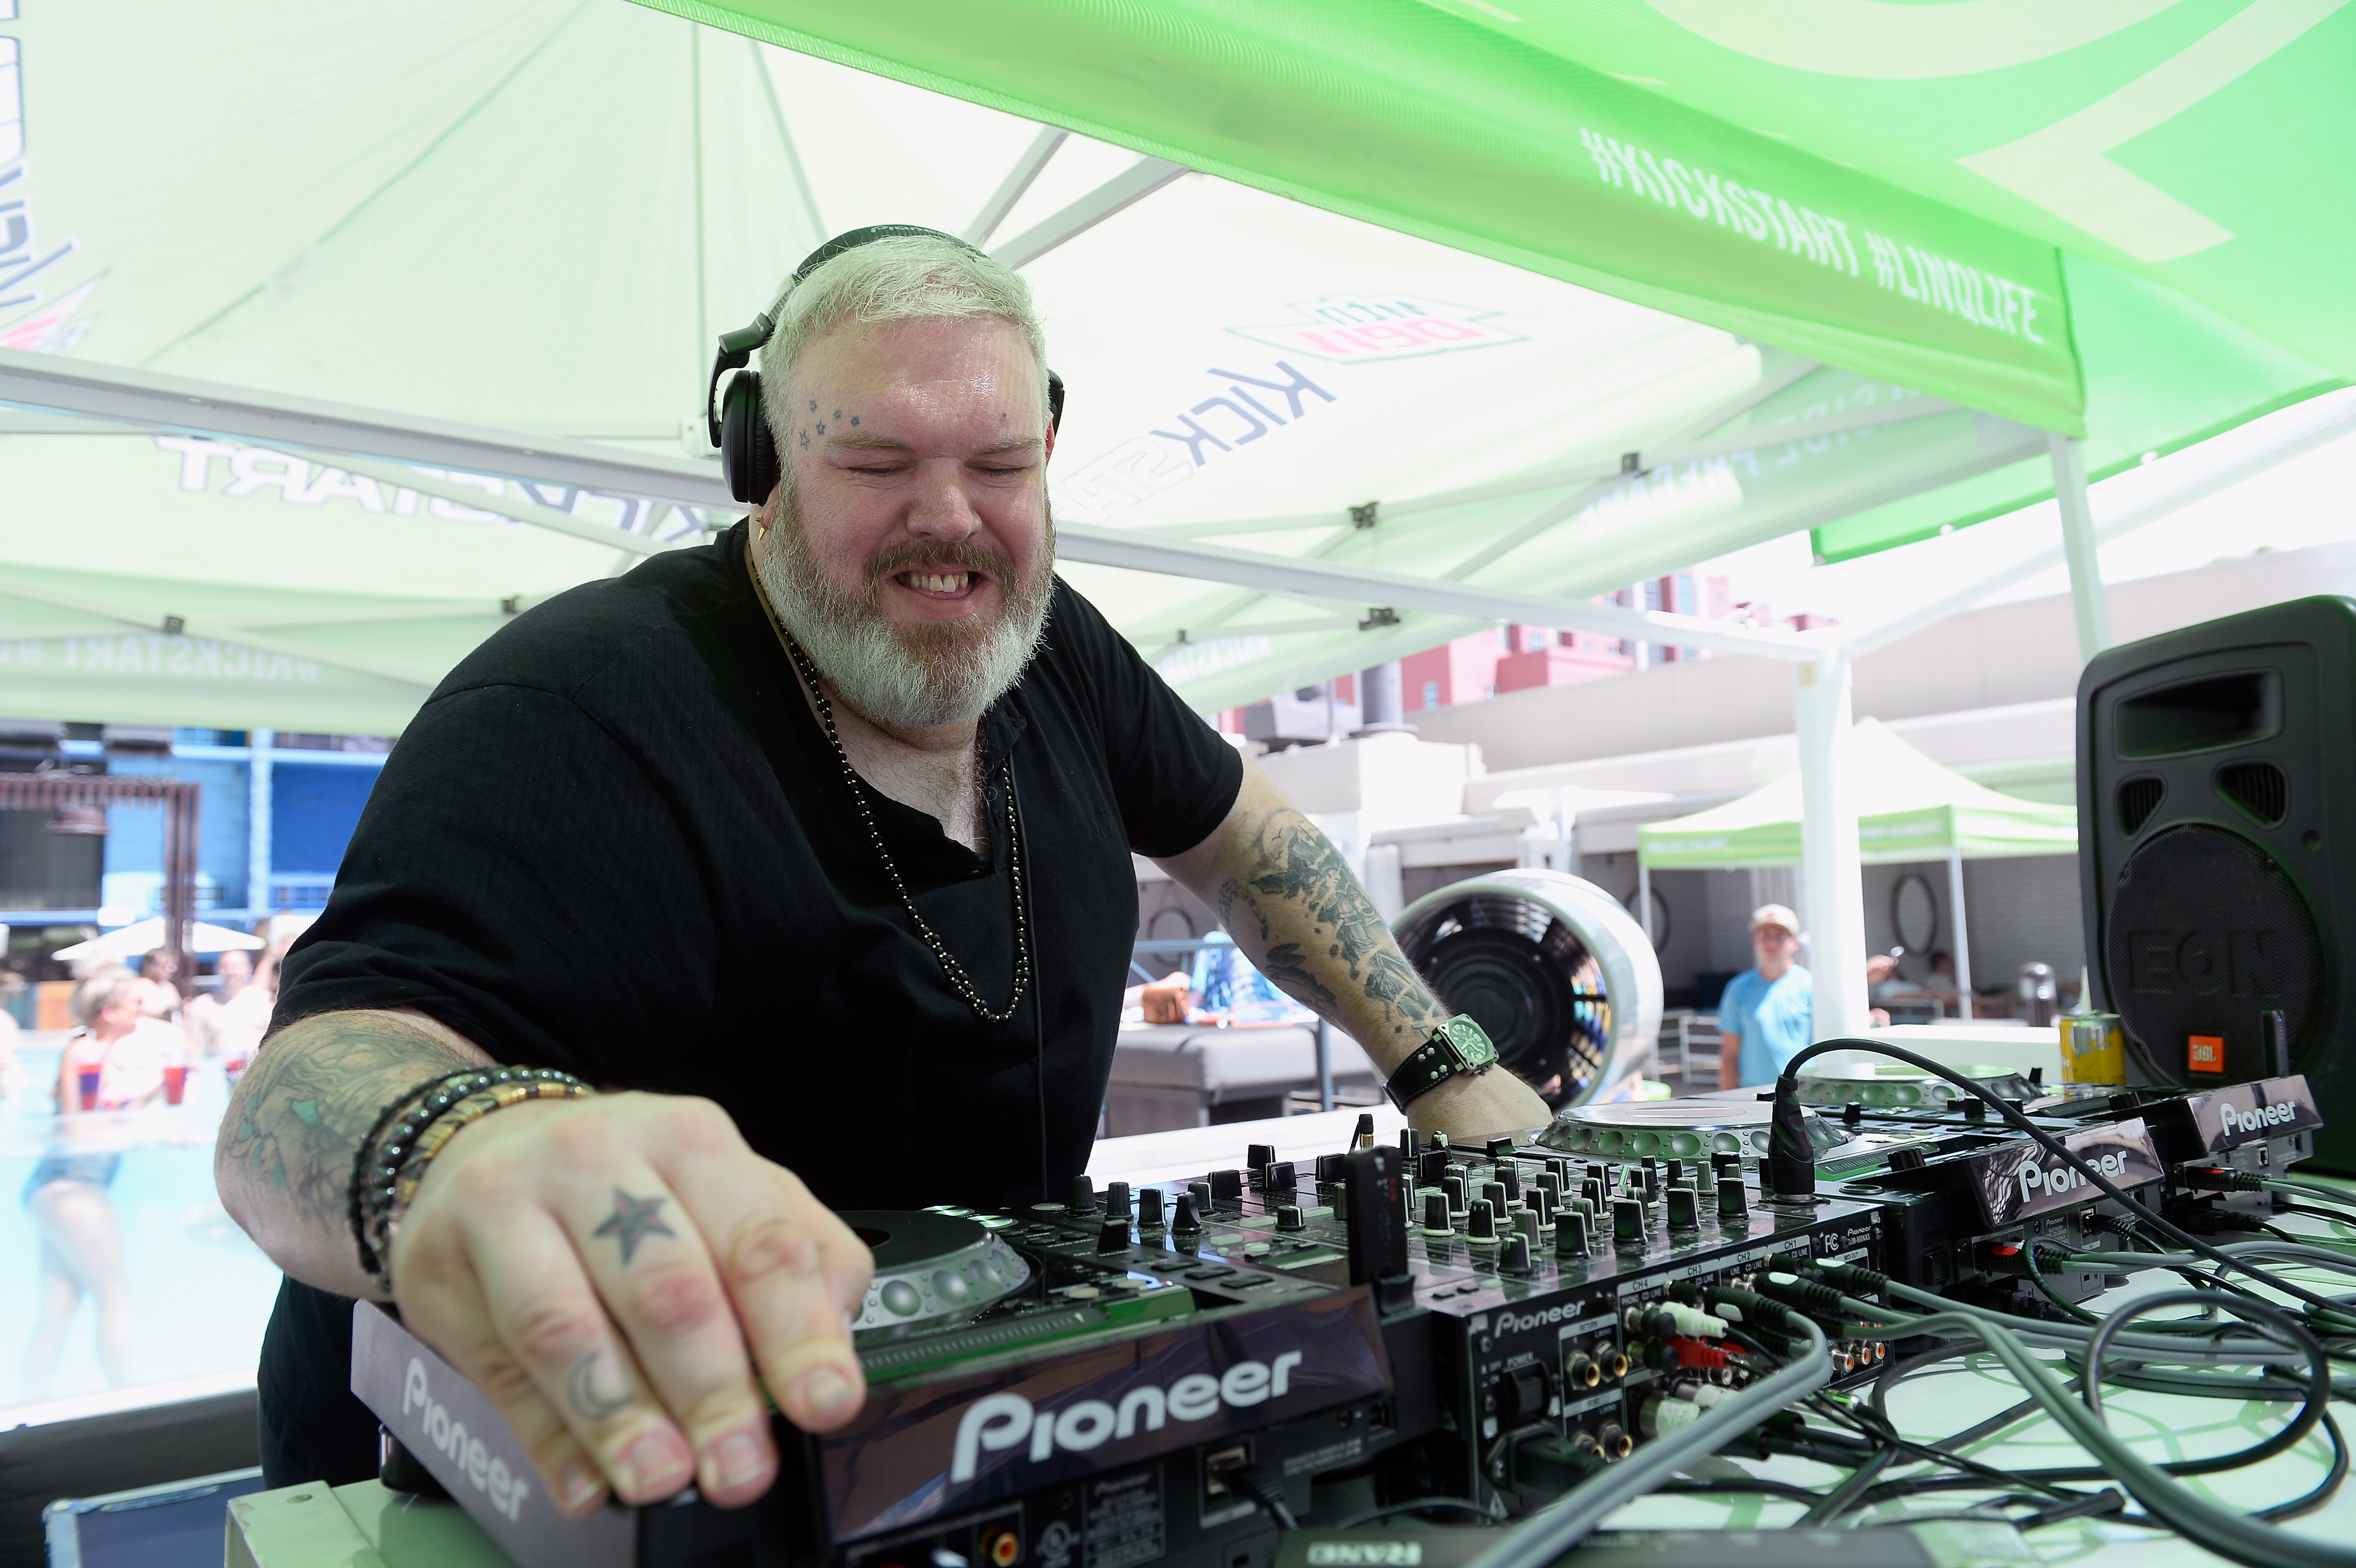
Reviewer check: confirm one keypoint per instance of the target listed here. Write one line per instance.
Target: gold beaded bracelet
(435, 1137)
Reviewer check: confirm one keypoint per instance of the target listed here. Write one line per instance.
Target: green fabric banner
(1409, 115)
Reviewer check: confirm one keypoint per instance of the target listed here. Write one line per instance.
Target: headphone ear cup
(748, 452)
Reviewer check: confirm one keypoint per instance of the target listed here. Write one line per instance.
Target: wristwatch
(1459, 1045)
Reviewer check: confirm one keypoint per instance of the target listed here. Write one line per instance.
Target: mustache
(968, 554)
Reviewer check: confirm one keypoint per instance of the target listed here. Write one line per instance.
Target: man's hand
(623, 1275)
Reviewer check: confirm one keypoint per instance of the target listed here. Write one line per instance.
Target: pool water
(199, 1291)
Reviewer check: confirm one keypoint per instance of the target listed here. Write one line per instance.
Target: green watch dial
(1471, 1043)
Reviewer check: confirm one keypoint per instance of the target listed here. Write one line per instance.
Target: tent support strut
(1963, 936)
(2078, 544)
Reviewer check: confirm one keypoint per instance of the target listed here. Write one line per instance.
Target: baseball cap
(1775, 914)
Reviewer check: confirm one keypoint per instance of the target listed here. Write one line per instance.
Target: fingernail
(736, 1459)
(579, 1486)
(655, 1465)
(823, 1388)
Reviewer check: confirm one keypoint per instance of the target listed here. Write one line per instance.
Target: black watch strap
(1427, 1067)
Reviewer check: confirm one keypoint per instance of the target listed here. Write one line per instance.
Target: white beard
(912, 677)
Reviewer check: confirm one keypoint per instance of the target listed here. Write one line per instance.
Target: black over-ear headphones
(739, 425)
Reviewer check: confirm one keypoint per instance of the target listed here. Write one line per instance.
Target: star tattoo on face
(633, 1221)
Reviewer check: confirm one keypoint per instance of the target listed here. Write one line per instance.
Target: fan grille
(1527, 980)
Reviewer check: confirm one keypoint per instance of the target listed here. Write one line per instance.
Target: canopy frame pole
(1963, 935)
(1644, 898)
(1325, 1066)
(1831, 864)
(2079, 545)
(1018, 180)
(258, 801)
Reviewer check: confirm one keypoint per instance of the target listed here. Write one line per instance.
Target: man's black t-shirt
(617, 842)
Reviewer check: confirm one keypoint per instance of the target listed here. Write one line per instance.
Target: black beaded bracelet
(354, 1212)
(380, 1160)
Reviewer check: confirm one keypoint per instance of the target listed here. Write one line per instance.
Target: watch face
(1471, 1041)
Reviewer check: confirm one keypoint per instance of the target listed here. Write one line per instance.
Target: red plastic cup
(175, 1083)
(89, 1080)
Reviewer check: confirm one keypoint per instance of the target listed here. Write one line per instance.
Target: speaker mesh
(2205, 932)
(1527, 980)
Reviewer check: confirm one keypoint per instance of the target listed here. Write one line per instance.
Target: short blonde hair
(107, 989)
(906, 277)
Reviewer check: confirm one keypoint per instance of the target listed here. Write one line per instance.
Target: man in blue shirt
(1768, 1014)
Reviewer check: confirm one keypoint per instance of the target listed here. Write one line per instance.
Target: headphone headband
(740, 427)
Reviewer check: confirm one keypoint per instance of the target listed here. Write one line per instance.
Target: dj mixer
(1170, 1372)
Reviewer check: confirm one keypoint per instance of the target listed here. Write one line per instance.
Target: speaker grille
(2258, 788)
(2138, 798)
(2205, 932)
(1527, 980)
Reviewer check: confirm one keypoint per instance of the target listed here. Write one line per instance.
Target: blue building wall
(314, 809)
(134, 840)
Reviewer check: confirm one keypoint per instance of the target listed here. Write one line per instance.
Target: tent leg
(2078, 544)
(1325, 1066)
(1644, 897)
(257, 823)
(1963, 935)
(1830, 865)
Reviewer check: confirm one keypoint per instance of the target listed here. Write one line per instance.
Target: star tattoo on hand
(633, 1221)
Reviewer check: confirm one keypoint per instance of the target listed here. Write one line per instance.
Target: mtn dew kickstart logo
(1351, 328)
(929, 1449)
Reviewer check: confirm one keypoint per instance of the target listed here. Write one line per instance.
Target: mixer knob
(1259, 1156)
(1509, 1177)
(1480, 1221)
(1439, 1140)
(1288, 1218)
(1542, 1203)
(1282, 1178)
(1113, 1237)
(1549, 1180)
(1411, 1145)
(1571, 1235)
(1183, 1219)
(1149, 1206)
(1083, 1199)
(1116, 1201)
(1591, 1191)
(1628, 1220)
(1500, 1148)
(1329, 1169)
(1431, 1167)
(1682, 1214)
(1435, 1214)
(1516, 1256)
(1494, 1194)
(1676, 1171)
(1201, 1192)
(1733, 1203)
(1526, 1224)
(1453, 1188)
(1227, 1189)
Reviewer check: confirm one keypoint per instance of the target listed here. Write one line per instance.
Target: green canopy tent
(1909, 809)
(1385, 321)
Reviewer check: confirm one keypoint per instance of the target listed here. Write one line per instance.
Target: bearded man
(811, 846)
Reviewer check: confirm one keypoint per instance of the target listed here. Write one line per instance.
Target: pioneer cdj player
(1170, 1373)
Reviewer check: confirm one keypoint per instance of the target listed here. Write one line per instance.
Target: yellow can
(2094, 1049)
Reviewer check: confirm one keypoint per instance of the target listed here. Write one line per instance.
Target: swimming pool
(198, 1291)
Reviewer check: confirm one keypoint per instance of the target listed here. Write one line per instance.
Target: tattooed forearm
(283, 1160)
(1285, 893)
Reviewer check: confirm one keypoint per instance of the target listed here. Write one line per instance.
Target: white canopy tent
(338, 341)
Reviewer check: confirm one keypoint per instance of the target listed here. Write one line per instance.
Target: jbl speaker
(2217, 850)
